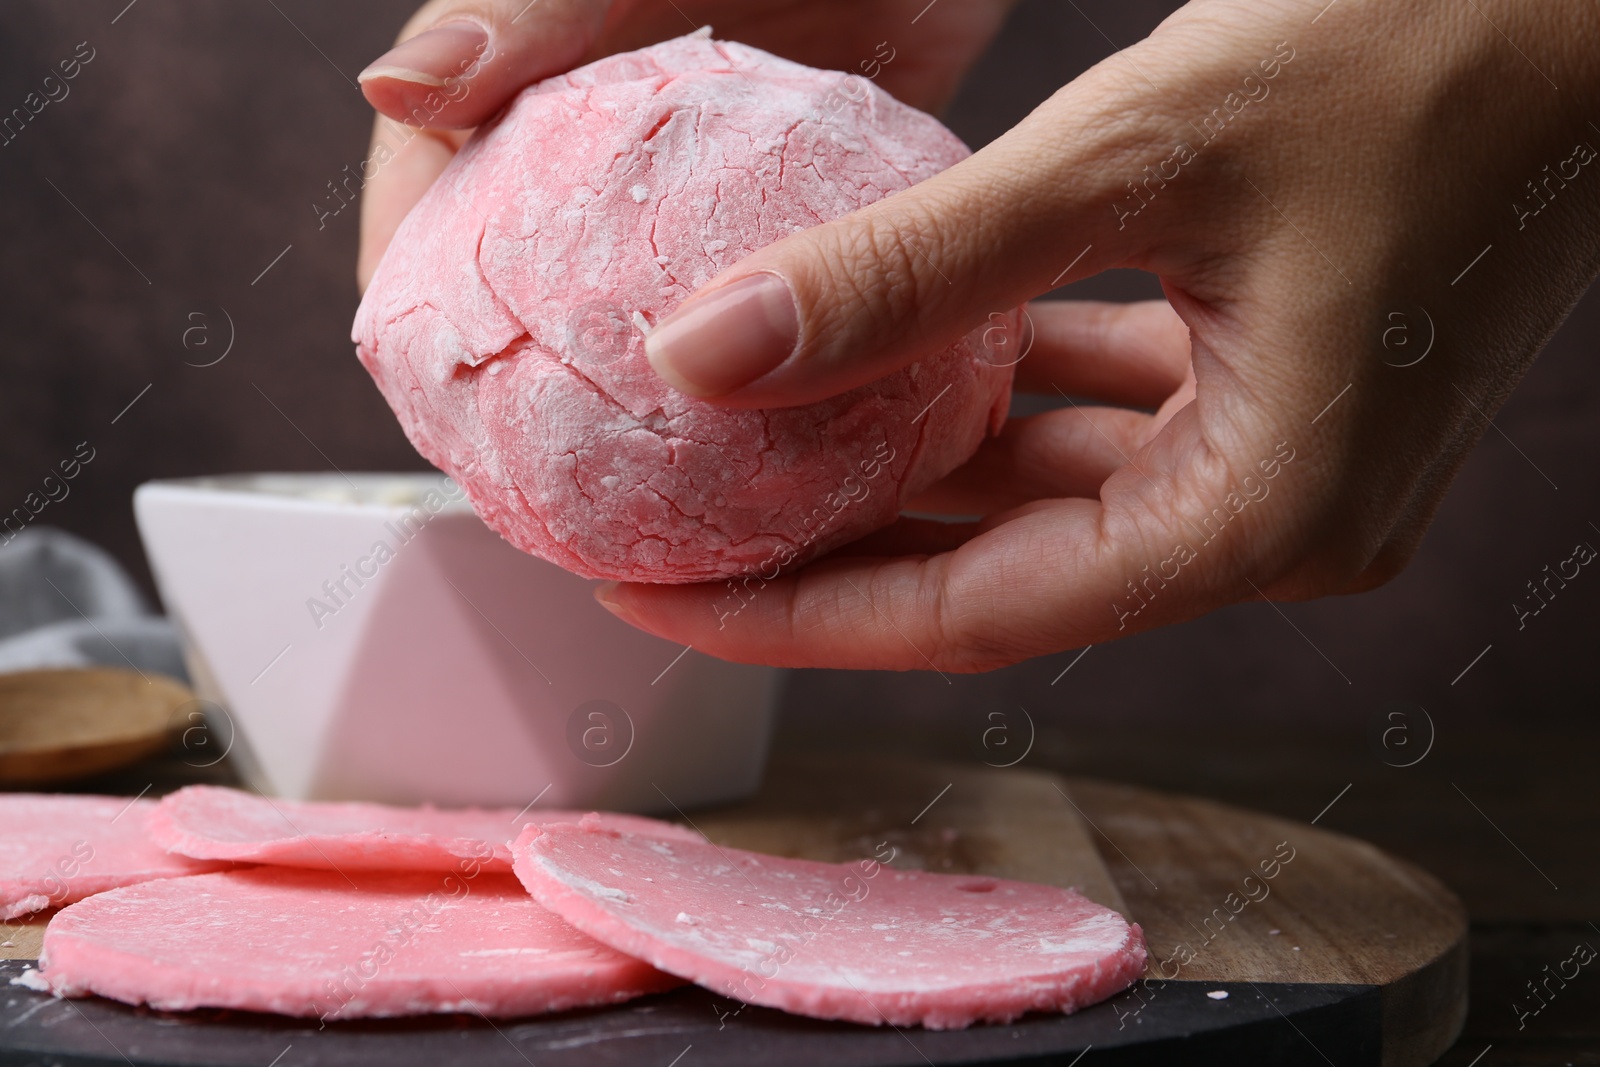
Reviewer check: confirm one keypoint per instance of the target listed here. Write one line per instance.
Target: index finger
(1053, 575)
(955, 611)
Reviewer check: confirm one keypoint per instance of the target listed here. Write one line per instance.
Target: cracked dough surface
(505, 325)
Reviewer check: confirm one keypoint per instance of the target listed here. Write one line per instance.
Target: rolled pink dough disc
(209, 822)
(506, 322)
(862, 942)
(58, 849)
(311, 943)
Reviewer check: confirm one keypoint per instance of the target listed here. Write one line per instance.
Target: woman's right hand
(1367, 215)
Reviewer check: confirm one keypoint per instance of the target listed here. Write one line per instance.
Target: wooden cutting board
(1340, 955)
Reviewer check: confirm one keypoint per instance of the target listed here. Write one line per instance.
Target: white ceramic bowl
(367, 637)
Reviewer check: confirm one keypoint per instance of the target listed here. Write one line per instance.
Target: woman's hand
(460, 61)
(1367, 216)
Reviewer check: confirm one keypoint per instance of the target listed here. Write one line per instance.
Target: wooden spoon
(57, 725)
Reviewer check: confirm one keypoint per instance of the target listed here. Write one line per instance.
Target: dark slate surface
(1264, 1023)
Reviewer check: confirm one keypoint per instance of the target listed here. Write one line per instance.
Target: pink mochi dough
(318, 943)
(506, 323)
(57, 849)
(862, 941)
(210, 822)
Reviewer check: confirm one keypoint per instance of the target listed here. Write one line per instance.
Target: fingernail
(606, 594)
(727, 338)
(431, 56)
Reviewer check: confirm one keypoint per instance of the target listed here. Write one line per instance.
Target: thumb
(459, 61)
(849, 301)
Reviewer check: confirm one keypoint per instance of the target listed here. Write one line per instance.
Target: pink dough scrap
(55, 850)
(210, 822)
(862, 942)
(316, 943)
(505, 324)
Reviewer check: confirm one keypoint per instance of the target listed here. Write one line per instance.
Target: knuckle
(878, 269)
(1378, 567)
(969, 634)
(1384, 568)
(1344, 549)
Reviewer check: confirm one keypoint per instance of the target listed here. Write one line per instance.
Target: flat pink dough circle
(862, 942)
(505, 324)
(311, 943)
(210, 822)
(57, 849)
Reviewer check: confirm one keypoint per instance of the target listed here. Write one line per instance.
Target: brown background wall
(197, 141)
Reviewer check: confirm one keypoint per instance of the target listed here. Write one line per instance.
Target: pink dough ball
(506, 323)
